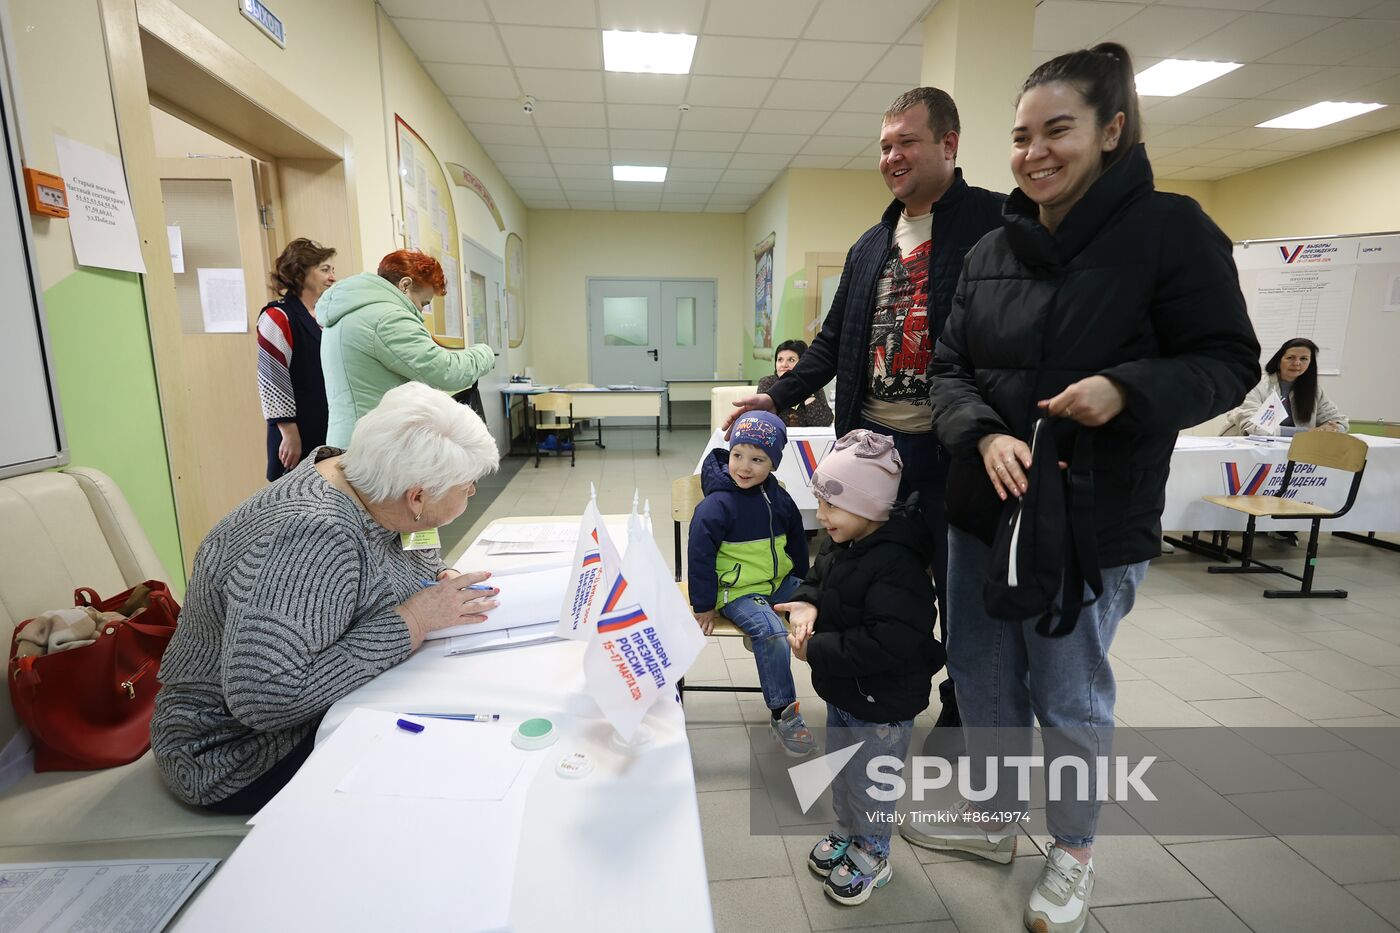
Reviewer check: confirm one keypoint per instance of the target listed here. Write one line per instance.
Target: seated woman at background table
(1291, 373)
(308, 589)
(813, 412)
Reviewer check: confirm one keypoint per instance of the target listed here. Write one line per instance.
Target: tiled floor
(1196, 650)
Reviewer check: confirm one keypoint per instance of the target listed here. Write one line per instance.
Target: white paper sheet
(448, 760)
(532, 533)
(503, 638)
(132, 896)
(223, 298)
(1192, 442)
(526, 598)
(101, 221)
(177, 249)
(528, 547)
(452, 301)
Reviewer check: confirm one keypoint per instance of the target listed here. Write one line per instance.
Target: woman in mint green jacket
(375, 339)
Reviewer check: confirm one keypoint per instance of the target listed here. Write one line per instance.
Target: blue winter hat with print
(764, 431)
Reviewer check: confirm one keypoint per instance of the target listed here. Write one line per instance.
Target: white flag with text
(595, 566)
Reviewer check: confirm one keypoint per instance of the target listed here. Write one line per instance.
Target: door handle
(655, 354)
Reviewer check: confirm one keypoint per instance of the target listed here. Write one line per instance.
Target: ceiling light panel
(1174, 76)
(1320, 114)
(659, 53)
(652, 173)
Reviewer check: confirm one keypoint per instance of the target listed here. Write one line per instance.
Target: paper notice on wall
(224, 300)
(177, 249)
(410, 224)
(452, 301)
(422, 186)
(101, 221)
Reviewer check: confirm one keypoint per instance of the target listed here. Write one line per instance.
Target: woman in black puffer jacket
(1112, 306)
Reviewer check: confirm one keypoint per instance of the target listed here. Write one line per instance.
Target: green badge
(420, 540)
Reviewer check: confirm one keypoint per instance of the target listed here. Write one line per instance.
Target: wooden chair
(1316, 448)
(549, 405)
(685, 496)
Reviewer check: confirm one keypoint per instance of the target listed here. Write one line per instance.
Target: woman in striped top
(290, 384)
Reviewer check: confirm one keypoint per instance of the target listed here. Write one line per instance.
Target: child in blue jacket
(748, 550)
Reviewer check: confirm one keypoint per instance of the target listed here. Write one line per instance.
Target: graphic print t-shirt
(900, 348)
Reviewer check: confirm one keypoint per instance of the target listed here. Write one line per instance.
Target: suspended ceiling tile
(503, 153)
(467, 10)
(1386, 9)
(902, 64)
(782, 143)
(582, 171)
(553, 47)
(473, 80)
(578, 137)
(759, 160)
(1253, 36)
(679, 172)
(858, 21)
(744, 180)
(520, 170)
(565, 114)
(505, 135)
(804, 122)
(652, 15)
(1331, 7)
(848, 146)
(815, 161)
(645, 89)
(568, 155)
(1076, 24)
(736, 56)
(689, 187)
(777, 18)
(1243, 6)
(1190, 135)
(1253, 80)
(1163, 31)
(716, 207)
(852, 124)
(561, 84)
(547, 205)
(583, 185)
(718, 119)
(1340, 43)
(708, 142)
(440, 41)
(1252, 138)
(807, 95)
(640, 156)
(489, 110)
(1248, 113)
(871, 97)
(1335, 83)
(838, 61)
(553, 12)
(643, 117)
(700, 161)
(1252, 158)
(1312, 140)
(642, 139)
(710, 91)
(1183, 109)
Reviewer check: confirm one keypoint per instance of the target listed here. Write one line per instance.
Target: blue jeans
(754, 616)
(848, 792)
(1005, 672)
(926, 472)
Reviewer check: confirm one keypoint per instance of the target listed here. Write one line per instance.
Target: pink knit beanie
(860, 475)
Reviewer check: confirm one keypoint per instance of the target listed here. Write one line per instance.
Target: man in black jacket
(895, 293)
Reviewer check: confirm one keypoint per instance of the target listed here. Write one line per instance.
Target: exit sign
(263, 18)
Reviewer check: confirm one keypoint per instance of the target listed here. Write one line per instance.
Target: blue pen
(474, 586)
(462, 717)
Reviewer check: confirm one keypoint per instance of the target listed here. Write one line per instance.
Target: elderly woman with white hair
(308, 589)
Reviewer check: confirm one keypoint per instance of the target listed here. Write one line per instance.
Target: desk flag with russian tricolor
(595, 566)
(646, 637)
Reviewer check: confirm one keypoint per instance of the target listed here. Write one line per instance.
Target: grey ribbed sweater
(290, 607)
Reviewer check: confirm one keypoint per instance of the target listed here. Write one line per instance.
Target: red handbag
(90, 707)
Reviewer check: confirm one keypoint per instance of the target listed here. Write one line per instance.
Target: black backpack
(1045, 546)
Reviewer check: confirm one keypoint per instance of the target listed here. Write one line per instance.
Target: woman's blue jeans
(755, 617)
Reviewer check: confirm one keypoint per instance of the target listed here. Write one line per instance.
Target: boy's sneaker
(964, 836)
(792, 733)
(1060, 901)
(855, 876)
(827, 854)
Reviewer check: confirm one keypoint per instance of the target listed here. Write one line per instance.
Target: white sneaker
(1060, 901)
(963, 836)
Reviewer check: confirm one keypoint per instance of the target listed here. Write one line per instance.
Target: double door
(645, 331)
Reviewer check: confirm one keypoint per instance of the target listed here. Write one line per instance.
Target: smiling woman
(1114, 312)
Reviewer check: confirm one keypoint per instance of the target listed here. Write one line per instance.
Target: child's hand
(798, 644)
(801, 616)
(706, 621)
